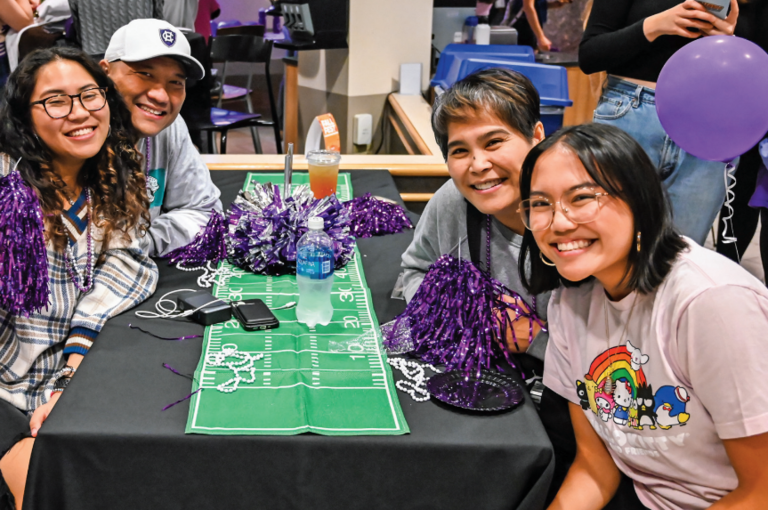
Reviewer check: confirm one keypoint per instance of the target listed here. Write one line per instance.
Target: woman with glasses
(68, 133)
(658, 343)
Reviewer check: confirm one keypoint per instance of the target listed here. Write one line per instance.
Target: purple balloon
(712, 97)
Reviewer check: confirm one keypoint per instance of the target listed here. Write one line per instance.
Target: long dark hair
(114, 174)
(618, 164)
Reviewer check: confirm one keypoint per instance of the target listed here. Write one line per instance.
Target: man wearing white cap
(150, 62)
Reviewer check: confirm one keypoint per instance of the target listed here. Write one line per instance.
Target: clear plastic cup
(323, 172)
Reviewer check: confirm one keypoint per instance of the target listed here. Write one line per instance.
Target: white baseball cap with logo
(144, 39)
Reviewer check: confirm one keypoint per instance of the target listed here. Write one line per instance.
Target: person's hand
(521, 327)
(724, 26)
(34, 4)
(42, 412)
(679, 20)
(544, 44)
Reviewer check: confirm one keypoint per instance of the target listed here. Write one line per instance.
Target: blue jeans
(696, 187)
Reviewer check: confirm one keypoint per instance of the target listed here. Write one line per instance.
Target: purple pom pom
(458, 318)
(265, 228)
(373, 217)
(208, 245)
(23, 255)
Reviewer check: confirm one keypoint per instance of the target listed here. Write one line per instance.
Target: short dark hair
(618, 164)
(506, 94)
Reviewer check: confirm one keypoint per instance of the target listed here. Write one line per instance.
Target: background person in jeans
(632, 40)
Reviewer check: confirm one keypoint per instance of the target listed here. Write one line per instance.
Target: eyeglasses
(581, 205)
(60, 106)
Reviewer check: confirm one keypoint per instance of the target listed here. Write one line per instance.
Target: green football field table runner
(321, 380)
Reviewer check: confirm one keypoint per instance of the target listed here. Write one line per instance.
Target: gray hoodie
(442, 228)
(180, 190)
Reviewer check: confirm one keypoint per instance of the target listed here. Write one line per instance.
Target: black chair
(250, 49)
(257, 30)
(225, 92)
(198, 112)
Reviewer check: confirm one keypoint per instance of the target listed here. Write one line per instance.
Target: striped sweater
(33, 350)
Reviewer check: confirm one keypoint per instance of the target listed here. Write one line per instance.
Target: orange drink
(323, 172)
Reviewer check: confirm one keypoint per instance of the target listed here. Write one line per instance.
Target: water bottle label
(315, 269)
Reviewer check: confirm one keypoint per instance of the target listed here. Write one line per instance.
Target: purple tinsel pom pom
(373, 217)
(264, 228)
(23, 255)
(457, 317)
(208, 245)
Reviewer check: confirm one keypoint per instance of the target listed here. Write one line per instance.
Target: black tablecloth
(107, 444)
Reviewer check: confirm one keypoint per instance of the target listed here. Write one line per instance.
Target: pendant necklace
(609, 382)
(83, 282)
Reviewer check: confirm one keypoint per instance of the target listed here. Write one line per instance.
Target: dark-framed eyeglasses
(60, 105)
(581, 205)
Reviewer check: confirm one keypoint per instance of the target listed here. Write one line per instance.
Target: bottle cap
(471, 21)
(316, 223)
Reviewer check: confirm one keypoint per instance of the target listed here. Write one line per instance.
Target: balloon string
(730, 195)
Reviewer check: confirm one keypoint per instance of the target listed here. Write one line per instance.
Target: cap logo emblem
(168, 37)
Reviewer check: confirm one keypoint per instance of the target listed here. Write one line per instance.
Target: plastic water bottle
(468, 32)
(314, 274)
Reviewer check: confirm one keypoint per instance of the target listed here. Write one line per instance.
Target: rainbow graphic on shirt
(616, 390)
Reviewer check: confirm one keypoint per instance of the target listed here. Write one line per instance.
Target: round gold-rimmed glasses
(60, 105)
(580, 205)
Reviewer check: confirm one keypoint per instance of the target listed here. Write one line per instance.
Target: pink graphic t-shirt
(687, 373)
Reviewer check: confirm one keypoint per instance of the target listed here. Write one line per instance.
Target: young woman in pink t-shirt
(657, 343)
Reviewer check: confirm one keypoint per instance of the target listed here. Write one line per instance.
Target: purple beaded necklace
(149, 157)
(488, 244)
(83, 283)
(488, 256)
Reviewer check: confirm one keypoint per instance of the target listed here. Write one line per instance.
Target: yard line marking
(307, 385)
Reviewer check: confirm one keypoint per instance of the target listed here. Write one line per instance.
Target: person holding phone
(632, 40)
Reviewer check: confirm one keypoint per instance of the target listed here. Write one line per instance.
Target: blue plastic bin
(550, 81)
(451, 57)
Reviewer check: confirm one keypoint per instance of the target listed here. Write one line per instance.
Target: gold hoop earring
(546, 262)
(638, 241)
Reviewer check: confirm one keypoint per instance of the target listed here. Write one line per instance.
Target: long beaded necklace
(488, 256)
(246, 364)
(83, 283)
(609, 378)
(149, 159)
(416, 379)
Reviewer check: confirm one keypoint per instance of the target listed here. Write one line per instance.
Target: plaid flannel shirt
(32, 350)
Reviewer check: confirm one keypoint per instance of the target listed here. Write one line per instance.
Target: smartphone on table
(254, 315)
